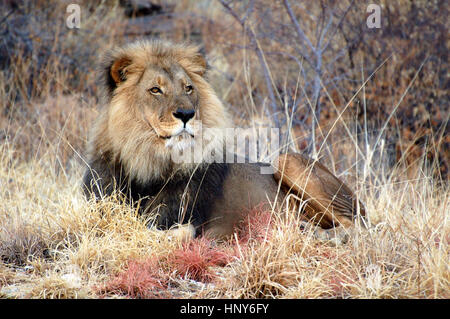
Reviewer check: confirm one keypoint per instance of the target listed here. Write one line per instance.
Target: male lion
(154, 92)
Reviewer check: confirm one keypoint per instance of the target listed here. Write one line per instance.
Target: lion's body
(152, 93)
(213, 198)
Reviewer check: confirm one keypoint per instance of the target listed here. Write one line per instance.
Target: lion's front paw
(182, 233)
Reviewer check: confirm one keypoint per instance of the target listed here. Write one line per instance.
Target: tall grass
(56, 244)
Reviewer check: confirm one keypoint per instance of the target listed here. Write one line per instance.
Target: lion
(153, 93)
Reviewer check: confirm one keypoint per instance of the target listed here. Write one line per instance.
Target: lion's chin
(180, 141)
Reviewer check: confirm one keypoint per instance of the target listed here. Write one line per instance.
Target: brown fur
(129, 149)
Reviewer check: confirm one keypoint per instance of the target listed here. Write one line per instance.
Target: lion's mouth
(182, 133)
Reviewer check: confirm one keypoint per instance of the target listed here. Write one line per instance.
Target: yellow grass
(56, 244)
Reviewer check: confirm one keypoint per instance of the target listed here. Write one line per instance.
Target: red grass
(256, 225)
(142, 279)
(150, 278)
(195, 259)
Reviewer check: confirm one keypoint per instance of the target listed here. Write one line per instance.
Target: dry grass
(56, 244)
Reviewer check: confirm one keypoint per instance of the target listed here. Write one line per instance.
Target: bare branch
(259, 54)
(298, 29)
(338, 26)
(232, 12)
(324, 31)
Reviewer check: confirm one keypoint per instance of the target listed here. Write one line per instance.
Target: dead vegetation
(375, 110)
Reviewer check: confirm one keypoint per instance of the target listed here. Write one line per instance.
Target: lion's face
(156, 93)
(169, 102)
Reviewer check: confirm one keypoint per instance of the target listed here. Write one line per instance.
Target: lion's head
(155, 91)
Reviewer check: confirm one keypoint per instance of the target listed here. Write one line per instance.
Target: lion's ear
(117, 71)
(113, 69)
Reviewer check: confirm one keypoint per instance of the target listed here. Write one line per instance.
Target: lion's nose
(184, 115)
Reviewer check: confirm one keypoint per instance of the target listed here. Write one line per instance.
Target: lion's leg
(182, 233)
(329, 202)
(310, 225)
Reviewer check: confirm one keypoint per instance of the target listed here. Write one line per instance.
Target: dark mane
(180, 199)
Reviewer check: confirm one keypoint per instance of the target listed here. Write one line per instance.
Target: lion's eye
(155, 90)
(189, 89)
